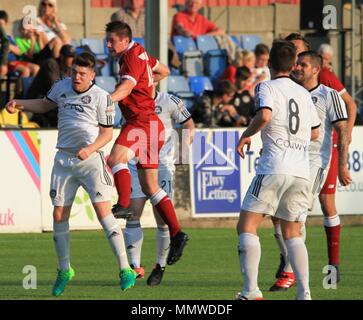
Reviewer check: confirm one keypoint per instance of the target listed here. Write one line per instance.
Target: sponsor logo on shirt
(76, 107)
(158, 109)
(292, 144)
(86, 99)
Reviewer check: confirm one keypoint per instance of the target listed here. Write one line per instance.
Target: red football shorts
(330, 185)
(145, 139)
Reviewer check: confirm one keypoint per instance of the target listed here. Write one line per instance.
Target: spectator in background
(55, 31)
(243, 100)
(4, 44)
(51, 70)
(190, 23)
(214, 109)
(30, 42)
(134, 15)
(326, 51)
(230, 72)
(262, 53)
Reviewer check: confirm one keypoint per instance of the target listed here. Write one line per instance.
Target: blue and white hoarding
(216, 179)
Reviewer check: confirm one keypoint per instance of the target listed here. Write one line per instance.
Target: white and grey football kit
(281, 186)
(331, 108)
(79, 118)
(170, 110)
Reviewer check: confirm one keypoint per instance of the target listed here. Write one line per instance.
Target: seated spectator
(230, 72)
(29, 42)
(243, 100)
(190, 23)
(214, 109)
(262, 53)
(4, 44)
(134, 15)
(50, 71)
(56, 33)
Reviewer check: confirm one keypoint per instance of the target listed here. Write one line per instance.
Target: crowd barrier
(219, 178)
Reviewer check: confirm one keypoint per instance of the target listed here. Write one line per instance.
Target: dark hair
(243, 73)
(85, 59)
(224, 87)
(122, 29)
(315, 58)
(282, 56)
(297, 36)
(260, 49)
(4, 16)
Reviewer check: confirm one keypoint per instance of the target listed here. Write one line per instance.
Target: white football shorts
(69, 173)
(318, 176)
(165, 180)
(283, 196)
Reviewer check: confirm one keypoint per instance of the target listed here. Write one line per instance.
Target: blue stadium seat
(183, 44)
(249, 41)
(179, 86)
(235, 40)
(215, 62)
(206, 43)
(97, 46)
(192, 63)
(106, 83)
(200, 83)
(141, 41)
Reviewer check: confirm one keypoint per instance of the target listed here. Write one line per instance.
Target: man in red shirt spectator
(141, 134)
(190, 23)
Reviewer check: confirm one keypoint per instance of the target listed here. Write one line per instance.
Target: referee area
(209, 268)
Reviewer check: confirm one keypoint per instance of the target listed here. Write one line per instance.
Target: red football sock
(123, 185)
(165, 208)
(333, 239)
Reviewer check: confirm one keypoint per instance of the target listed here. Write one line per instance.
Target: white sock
(61, 238)
(116, 240)
(281, 243)
(249, 250)
(134, 238)
(300, 264)
(162, 244)
(332, 221)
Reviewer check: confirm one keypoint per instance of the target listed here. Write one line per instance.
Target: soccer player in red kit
(141, 135)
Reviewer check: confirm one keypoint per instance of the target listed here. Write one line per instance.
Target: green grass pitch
(209, 269)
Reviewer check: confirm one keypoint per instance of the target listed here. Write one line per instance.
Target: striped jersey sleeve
(337, 110)
(180, 114)
(105, 110)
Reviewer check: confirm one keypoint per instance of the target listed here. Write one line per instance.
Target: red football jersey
(137, 65)
(330, 80)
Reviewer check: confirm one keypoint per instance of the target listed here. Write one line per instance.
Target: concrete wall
(84, 21)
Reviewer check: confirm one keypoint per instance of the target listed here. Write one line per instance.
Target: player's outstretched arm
(104, 137)
(343, 144)
(352, 112)
(32, 105)
(161, 71)
(122, 90)
(190, 127)
(314, 134)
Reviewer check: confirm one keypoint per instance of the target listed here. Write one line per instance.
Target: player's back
(287, 136)
(137, 65)
(170, 110)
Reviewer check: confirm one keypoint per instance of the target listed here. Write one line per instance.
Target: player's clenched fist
(12, 107)
(242, 142)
